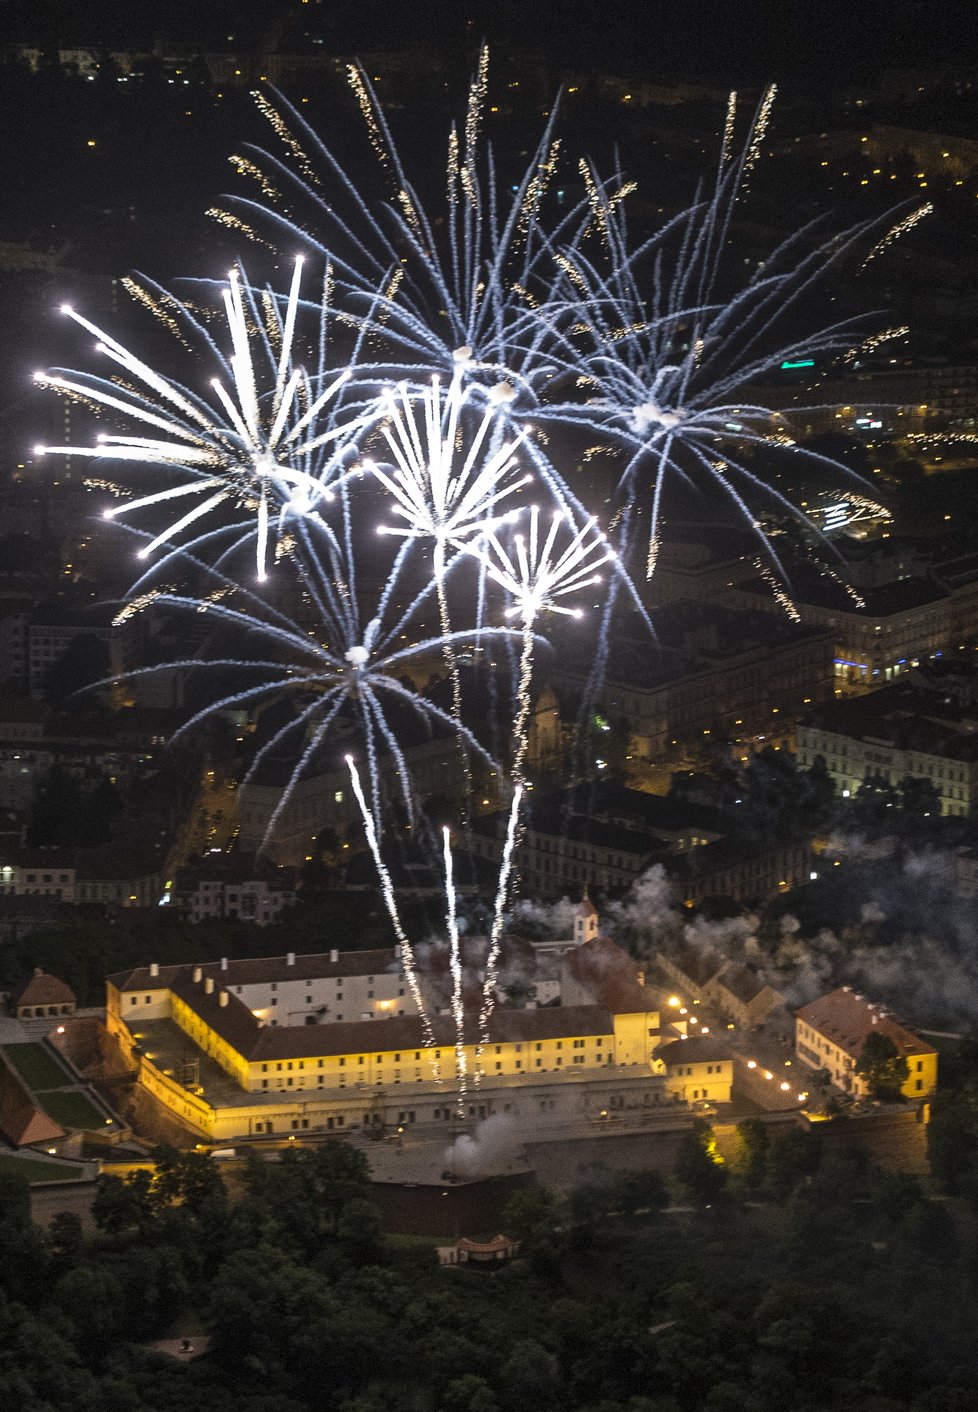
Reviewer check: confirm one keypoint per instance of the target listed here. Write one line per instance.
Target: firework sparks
(265, 444)
(390, 902)
(455, 954)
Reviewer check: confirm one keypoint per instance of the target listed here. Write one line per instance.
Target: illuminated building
(830, 1034)
(698, 1069)
(329, 1042)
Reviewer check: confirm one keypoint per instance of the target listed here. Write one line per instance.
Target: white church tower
(585, 921)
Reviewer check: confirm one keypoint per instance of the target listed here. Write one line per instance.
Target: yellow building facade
(555, 1060)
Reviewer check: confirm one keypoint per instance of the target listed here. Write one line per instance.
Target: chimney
(290, 958)
(224, 963)
(222, 999)
(334, 956)
(640, 977)
(198, 975)
(209, 985)
(154, 968)
(397, 951)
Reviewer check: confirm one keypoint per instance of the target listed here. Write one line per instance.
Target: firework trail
(390, 902)
(445, 487)
(536, 577)
(348, 663)
(496, 930)
(461, 287)
(458, 1000)
(269, 440)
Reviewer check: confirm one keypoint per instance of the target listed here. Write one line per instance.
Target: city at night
(488, 707)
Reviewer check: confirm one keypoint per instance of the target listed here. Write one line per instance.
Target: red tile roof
(698, 1049)
(611, 976)
(845, 1018)
(43, 989)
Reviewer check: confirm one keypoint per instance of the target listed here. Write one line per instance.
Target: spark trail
(268, 441)
(390, 902)
(458, 998)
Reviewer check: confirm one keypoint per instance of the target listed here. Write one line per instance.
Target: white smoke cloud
(494, 1146)
(911, 943)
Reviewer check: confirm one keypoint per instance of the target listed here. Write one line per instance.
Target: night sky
(798, 42)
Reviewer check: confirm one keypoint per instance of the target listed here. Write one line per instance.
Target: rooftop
(263, 970)
(43, 989)
(610, 975)
(698, 1049)
(229, 1017)
(846, 1019)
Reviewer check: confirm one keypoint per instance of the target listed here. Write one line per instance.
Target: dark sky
(795, 40)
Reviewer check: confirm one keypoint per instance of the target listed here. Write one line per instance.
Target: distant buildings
(881, 633)
(715, 672)
(606, 836)
(120, 875)
(830, 1034)
(892, 734)
(233, 885)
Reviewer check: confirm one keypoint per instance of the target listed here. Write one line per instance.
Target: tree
(533, 1216)
(259, 1301)
(530, 1376)
(123, 1207)
(699, 1166)
(359, 1231)
(919, 799)
(639, 1191)
(753, 1143)
(469, 1393)
(189, 1179)
(792, 1155)
(874, 799)
(952, 1138)
(882, 1065)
